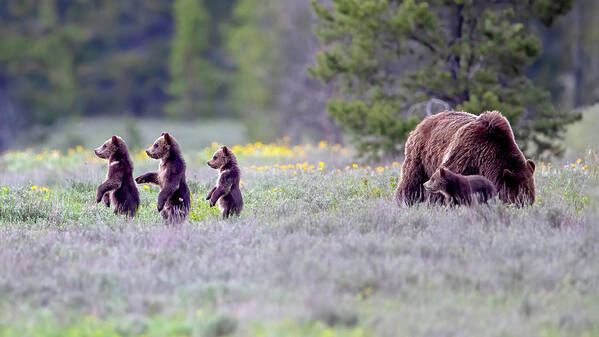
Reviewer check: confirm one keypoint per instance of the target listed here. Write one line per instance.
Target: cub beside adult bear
(459, 189)
(466, 144)
(119, 189)
(174, 198)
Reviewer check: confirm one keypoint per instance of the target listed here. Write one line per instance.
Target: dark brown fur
(466, 144)
(119, 188)
(174, 197)
(226, 191)
(459, 189)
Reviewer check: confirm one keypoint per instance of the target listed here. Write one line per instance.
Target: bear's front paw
(140, 180)
(212, 203)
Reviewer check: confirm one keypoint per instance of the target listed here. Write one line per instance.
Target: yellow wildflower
(579, 160)
(146, 187)
(586, 167)
(355, 165)
(380, 169)
(79, 148)
(294, 172)
(34, 187)
(395, 163)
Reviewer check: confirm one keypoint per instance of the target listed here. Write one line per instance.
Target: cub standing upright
(174, 199)
(119, 188)
(226, 191)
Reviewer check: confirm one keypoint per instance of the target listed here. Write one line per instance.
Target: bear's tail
(495, 125)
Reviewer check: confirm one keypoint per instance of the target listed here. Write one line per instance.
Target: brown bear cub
(119, 188)
(226, 191)
(174, 198)
(459, 189)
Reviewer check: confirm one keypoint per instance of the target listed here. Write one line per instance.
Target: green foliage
(253, 49)
(43, 82)
(386, 56)
(62, 59)
(194, 81)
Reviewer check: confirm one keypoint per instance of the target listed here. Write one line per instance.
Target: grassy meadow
(320, 249)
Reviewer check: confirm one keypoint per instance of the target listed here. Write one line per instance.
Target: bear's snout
(148, 153)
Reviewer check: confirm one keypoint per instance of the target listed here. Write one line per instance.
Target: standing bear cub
(174, 198)
(226, 191)
(119, 188)
(460, 189)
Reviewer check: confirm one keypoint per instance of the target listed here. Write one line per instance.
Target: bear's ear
(226, 150)
(531, 164)
(443, 172)
(508, 175)
(167, 137)
(115, 140)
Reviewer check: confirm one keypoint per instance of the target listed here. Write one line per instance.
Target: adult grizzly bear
(466, 144)
(174, 197)
(119, 188)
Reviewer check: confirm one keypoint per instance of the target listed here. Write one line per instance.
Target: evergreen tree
(252, 40)
(194, 81)
(385, 55)
(42, 82)
(270, 43)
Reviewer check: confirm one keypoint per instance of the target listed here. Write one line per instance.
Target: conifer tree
(386, 55)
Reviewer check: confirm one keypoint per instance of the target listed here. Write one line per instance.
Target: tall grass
(321, 249)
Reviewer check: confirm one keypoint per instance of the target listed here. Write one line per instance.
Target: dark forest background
(197, 61)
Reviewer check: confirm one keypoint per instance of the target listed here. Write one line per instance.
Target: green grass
(138, 133)
(314, 253)
(582, 133)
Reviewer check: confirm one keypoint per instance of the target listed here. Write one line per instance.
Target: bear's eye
(214, 157)
(155, 145)
(104, 145)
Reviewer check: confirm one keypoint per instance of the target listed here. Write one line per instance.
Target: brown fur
(174, 198)
(459, 189)
(226, 191)
(119, 188)
(466, 144)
